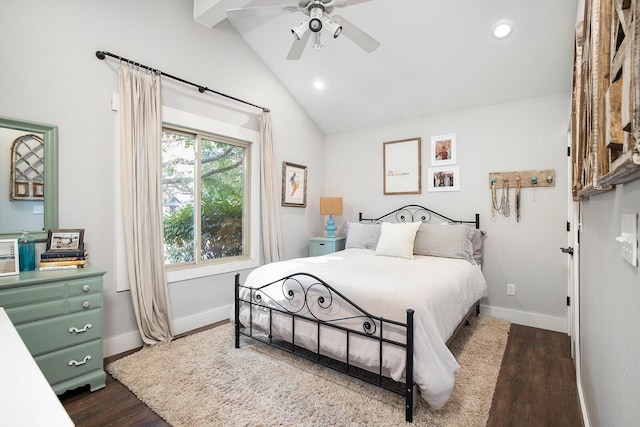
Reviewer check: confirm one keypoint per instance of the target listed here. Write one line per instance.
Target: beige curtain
(270, 194)
(141, 176)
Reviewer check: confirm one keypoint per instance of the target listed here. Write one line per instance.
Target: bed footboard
(315, 302)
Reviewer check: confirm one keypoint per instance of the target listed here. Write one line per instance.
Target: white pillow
(362, 235)
(396, 239)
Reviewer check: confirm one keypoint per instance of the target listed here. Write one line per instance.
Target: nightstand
(325, 245)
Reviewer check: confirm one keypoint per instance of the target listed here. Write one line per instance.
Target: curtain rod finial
(100, 54)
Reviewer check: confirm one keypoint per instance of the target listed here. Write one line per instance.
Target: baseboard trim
(583, 406)
(131, 340)
(535, 320)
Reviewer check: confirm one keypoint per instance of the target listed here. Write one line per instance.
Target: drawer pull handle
(79, 331)
(76, 363)
(86, 288)
(86, 304)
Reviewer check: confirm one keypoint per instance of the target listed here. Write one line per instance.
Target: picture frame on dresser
(9, 257)
(70, 239)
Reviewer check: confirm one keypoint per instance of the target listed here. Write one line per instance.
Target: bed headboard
(414, 213)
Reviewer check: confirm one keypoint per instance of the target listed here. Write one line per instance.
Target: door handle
(568, 250)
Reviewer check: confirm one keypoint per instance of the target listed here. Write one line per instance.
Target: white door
(574, 224)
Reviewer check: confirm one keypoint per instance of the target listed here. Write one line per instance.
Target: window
(205, 189)
(179, 120)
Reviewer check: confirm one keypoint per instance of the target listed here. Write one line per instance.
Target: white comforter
(440, 290)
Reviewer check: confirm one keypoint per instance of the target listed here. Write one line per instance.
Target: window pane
(222, 192)
(178, 166)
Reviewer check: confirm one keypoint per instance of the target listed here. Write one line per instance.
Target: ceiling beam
(211, 12)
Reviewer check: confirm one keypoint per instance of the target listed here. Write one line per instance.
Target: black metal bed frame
(316, 305)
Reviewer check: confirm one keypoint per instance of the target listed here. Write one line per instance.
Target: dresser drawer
(43, 310)
(84, 302)
(325, 245)
(65, 331)
(71, 362)
(31, 295)
(81, 287)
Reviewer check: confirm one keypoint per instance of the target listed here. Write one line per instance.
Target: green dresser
(58, 315)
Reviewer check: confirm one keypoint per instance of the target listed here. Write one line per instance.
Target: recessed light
(502, 28)
(318, 85)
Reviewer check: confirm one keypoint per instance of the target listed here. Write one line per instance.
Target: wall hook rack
(527, 179)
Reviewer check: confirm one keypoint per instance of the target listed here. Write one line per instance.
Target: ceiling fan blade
(261, 11)
(347, 3)
(297, 47)
(356, 35)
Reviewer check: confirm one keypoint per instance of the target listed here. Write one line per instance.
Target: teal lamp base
(331, 227)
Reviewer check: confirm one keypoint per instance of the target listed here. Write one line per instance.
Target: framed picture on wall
(402, 166)
(443, 150)
(294, 185)
(444, 178)
(9, 262)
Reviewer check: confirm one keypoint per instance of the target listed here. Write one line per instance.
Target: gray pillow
(477, 242)
(362, 235)
(447, 241)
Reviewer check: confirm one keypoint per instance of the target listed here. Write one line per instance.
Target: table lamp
(331, 206)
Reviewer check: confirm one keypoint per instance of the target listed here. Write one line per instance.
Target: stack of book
(63, 259)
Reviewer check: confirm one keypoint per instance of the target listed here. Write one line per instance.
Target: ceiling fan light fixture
(299, 30)
(334, 28)
(315, 23)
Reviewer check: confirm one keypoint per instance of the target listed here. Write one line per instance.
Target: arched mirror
(29, 180)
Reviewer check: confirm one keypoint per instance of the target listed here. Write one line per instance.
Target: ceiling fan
(319, 17)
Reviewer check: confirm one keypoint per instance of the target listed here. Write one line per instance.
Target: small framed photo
(443, 150)
(294, 185)
(444, 178)
(9, 261)
(65, 240)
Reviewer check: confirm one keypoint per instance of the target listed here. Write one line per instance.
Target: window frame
(180, 119)
(198, 136)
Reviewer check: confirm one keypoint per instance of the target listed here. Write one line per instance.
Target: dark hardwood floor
(537, 381)
(536, 387)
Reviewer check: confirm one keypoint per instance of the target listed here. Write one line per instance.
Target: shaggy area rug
(202, 380)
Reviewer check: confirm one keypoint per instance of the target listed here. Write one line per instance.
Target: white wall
(530, 134)
(50, 74)
(609, 315)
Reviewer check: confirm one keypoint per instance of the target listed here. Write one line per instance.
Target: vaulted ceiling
(435, 56)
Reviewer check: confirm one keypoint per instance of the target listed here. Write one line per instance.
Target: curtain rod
(102, 54)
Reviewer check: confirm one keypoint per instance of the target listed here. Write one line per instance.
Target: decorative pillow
(396, 239)
(447, 241)
(477, 242)
(362, 235)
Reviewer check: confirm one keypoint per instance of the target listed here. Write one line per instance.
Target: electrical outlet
(511, 289)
